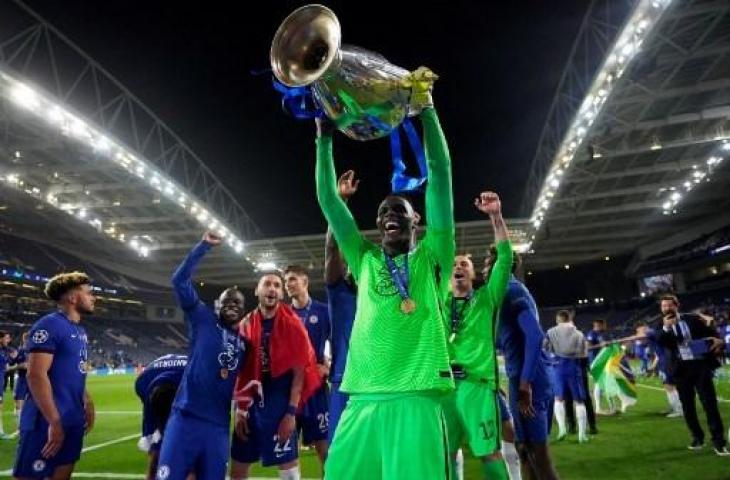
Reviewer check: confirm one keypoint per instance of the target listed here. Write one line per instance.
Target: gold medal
(407, 305)
(224, 373)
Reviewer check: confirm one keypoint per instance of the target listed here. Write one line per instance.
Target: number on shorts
(324, 421)
(281, 449)
(487, 429)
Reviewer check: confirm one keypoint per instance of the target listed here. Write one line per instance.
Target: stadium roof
(637, 157)
(631, 152)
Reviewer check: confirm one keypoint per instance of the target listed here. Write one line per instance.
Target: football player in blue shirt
(595, 339)
(313, 421)
(59, 409)
(342, 300)
(5, 360)
(20, 362)
(520, 337)
(156, 386)
(197, 433)
(670, 387)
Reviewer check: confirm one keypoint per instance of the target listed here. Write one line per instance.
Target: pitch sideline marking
(723, 400)
(110, 442)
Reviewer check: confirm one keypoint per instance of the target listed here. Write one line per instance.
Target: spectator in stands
(694, 345)
(569, 345)
(59, 410)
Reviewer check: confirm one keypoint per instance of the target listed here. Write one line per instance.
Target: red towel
(289, 347)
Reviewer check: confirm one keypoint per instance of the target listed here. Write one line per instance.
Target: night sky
(499, 64)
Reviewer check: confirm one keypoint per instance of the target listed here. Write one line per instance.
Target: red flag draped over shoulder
(289, 347)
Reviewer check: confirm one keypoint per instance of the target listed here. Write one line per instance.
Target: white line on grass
(110, 442)
(661, 390)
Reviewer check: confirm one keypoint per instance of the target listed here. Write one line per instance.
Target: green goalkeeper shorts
(400, 436)
(472, 416)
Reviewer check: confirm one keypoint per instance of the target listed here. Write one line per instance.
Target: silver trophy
(360, 91)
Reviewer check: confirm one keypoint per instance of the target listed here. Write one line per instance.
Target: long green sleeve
(439, 196)
(500, 274)
(338, 216)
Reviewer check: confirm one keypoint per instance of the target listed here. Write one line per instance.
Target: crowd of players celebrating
(411, 376)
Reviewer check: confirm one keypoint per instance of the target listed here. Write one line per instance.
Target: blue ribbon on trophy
(363, 94)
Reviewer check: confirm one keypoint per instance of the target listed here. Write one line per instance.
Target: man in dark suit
(692, 347)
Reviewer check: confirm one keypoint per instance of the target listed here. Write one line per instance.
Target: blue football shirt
(215, 354)
(67, 341)
(316, 320)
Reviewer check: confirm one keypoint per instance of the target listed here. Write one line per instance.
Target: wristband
(291, 410)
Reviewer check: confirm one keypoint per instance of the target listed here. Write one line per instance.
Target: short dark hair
(274, 272)
(669, 297)
(296, 270)
(64, 282)
(516, 258)
(3, 333)
(563, 315)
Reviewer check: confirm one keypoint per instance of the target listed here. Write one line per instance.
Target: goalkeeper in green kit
(472, 410)
(397, 370)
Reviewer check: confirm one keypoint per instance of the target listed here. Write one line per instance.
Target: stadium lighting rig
(627, 45)
(699, 173)
(73, 126)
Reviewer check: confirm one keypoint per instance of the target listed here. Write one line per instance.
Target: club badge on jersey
(228, 357)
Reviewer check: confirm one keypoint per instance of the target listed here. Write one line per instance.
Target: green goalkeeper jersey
(475, 320)
(391, 351)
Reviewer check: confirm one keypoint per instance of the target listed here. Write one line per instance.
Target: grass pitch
(640, 444)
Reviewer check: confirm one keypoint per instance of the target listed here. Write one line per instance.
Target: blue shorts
(338, 402)
(570, 379)
(535, 429)
(504, 414)
(263, 423)
(28, 460)
(192, 445)
(313, 422)
(21, 391)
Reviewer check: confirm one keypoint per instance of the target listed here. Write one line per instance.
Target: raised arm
(334, 265)
(439, 196)
(489, 203)
(182, 279)
(335, 210)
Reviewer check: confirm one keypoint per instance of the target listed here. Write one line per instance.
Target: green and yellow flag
(612, 372)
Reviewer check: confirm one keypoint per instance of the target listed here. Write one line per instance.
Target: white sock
(597, 397)
(674, 401)
(559, 410)
(509, 452)
(582, 416)
(2, 432)
(291, 474)
(459, 465)
(626, 402)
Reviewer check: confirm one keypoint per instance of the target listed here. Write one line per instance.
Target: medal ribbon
(399, 277)
(456, 316)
